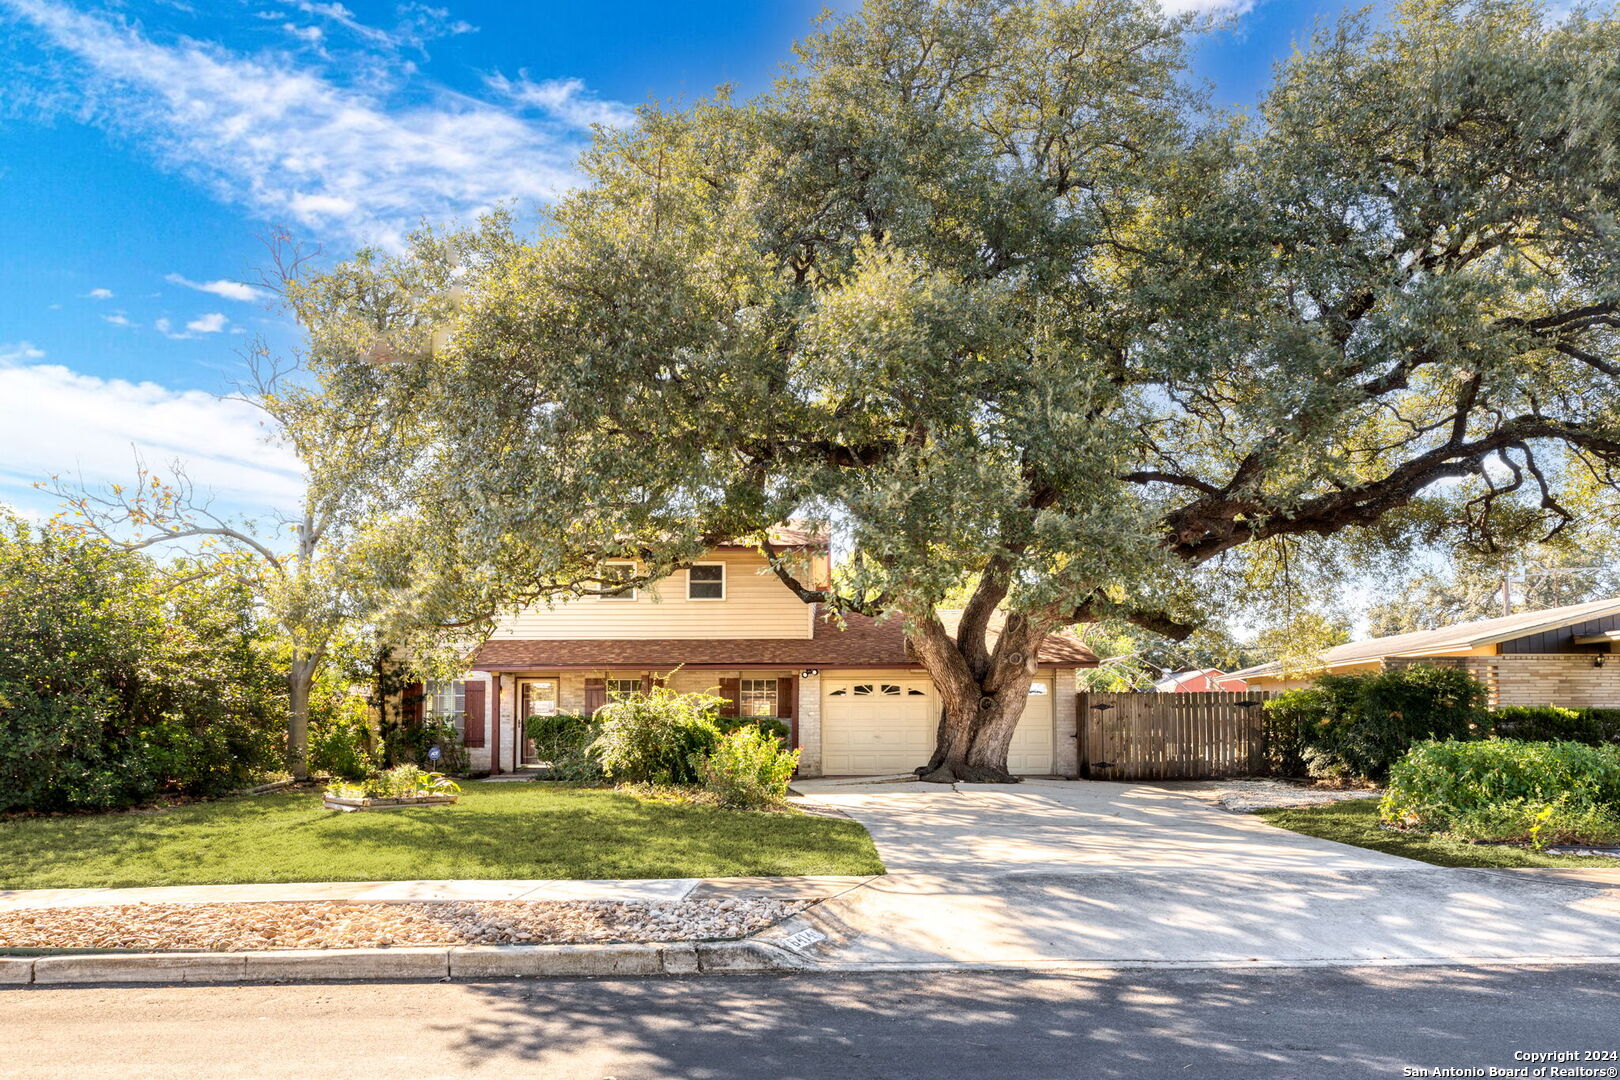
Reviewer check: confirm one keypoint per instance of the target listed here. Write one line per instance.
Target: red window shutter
(595, 695)
(787, 707)
(731, 690)
(473, 733)
(415, 696)
(660, 681)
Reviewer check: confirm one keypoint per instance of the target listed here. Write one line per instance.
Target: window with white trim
(756, 697)
(706, 581)
(623, 686)
(614, 572)
(445, 700)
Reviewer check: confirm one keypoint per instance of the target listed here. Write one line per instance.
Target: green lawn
(499, 830)
(1356, 822)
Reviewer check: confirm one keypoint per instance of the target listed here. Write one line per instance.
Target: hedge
(1508, 789)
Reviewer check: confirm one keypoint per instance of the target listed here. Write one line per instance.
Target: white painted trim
(706, 599)
(623, 598)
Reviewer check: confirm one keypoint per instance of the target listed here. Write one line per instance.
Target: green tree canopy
(981, 284)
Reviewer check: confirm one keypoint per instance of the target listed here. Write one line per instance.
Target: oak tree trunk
(982, 694)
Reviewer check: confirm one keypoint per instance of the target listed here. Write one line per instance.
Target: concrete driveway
(1052, 873)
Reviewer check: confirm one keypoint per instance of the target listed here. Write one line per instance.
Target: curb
(384, 965)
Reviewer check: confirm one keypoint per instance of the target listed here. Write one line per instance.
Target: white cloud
(310, 35)
(14, 352)
(100, 294)
(1207, 7)
(230, 290)
(57, 421)
(290, 142)
(212, 323)
(566, 100)
(118, 318)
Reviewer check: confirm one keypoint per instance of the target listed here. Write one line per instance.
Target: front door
(536, 697)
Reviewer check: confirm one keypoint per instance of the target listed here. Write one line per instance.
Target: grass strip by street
(1357, 823)
(496, 831)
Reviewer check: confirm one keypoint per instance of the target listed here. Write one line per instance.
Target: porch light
(1599, 660)
(809, 672)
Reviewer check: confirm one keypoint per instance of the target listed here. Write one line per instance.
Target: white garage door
(1031, 751)
(877, 725)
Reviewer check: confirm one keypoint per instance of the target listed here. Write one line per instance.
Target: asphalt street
(1294, 1023)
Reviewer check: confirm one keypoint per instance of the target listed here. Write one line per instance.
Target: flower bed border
(348, 805)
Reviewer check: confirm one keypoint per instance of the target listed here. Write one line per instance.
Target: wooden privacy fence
(1171, 736)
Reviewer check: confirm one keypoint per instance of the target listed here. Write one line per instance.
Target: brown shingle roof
(864, 643)
(1451, 639)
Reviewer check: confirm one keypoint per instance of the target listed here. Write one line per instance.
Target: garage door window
(1037, 688)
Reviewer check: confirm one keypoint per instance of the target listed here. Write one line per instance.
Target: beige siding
(756, 605)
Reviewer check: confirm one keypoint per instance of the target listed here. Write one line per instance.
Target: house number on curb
(803, 939)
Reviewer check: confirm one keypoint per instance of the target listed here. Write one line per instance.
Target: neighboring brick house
(1558, 656)
(855, 698)
(1205, 681)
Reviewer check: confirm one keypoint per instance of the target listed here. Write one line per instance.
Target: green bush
(656, 737)
(340, 743)
(1550, 723)
(564, 741)
(408, 744)
(1505, 789)
(1361, 724)
(769, 725)
(749, 769)
(121, 679)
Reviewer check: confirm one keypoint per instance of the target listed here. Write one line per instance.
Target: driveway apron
(1076, 872)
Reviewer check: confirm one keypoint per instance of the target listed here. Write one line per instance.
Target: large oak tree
(982, 285)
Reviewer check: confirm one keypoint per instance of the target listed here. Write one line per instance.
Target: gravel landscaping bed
(1247, 796)
(254, 927)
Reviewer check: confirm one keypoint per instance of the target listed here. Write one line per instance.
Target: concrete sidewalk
(1054, 873)
(375, 892)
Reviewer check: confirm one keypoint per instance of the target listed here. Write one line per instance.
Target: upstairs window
(706, 581)
(756, 697)
(612, 574)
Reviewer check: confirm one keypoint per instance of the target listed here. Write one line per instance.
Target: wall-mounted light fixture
(1599, 660)
(809, 672)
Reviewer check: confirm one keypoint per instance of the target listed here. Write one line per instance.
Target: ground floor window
(448, 701)
(757, 697)
(623, 686)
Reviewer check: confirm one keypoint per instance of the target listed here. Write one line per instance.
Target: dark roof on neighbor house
(863, 642)
(1453, 639)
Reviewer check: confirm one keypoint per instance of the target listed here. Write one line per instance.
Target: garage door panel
(877, 725)
(1030, 752)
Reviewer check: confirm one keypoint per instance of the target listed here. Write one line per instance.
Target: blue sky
(146, 145)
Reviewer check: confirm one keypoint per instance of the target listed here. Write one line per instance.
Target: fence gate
(1170, 736)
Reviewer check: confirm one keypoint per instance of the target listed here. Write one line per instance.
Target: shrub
(1505, 789)
(564, 741)
(1360, 725)
(656, 737)
(1550, 723)
(400, 782)
(408, 744)
(749, 769)
(340, 739)
(121, 680)
(770, 725)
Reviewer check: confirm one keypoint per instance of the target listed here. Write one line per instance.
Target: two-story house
(853, 695)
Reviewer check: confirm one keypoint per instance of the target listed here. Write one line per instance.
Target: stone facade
(1569, 679)
(810, 725)
(1065, 747)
